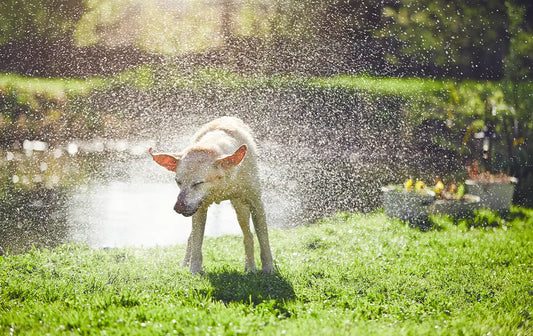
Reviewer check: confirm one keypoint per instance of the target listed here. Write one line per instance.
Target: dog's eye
(198, 183)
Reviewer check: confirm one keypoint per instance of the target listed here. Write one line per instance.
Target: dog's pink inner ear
(233, 159)
(168, 161)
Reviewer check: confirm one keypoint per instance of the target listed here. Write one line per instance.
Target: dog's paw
(198, 273)
(268, 269)
(196, 270)
(250, 268)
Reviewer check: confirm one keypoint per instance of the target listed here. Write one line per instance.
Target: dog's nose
(182, 208)
(183, 212)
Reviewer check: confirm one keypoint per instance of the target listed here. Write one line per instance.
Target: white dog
(220, 164)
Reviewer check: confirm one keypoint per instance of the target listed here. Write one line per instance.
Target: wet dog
(220, 164)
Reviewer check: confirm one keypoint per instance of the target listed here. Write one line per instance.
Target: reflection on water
(117, 214)
(121, 198)
(137, 214)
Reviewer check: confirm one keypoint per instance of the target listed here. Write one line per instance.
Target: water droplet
(72, 148)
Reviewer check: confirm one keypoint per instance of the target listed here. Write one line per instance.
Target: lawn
(351, 274)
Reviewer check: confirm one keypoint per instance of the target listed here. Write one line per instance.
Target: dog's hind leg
(243, 216)
(259, 218)
(194, 246)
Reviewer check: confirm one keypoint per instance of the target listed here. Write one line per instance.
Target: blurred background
(459, 39)
(344, 97)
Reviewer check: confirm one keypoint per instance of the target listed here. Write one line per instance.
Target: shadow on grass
(254, 288)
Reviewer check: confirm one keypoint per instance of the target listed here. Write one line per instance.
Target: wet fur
(215, 157)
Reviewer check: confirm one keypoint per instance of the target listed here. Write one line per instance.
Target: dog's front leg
(187, 260)
(194, 245)
(261, 229)
(243, 216)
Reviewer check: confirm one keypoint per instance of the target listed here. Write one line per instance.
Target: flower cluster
(452, 191)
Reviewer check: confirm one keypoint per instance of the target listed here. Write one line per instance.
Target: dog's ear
(169, 161)
(233, 159)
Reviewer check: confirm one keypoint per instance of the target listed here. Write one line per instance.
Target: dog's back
(227, 129)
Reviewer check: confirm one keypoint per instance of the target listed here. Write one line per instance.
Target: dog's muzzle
(184, 207)
(183, 212)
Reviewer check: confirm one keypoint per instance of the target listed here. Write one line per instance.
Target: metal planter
(458, 209)
(496, 196)
(408, 206)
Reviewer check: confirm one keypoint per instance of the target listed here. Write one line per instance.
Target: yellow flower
(408, 185)
(419, 185)
(439, 186)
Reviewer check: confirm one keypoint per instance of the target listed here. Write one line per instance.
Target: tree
(460, 38)
(30, 19)
(157, 26)
(317, 36)
(519, 60)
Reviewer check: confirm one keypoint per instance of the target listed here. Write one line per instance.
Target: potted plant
(408, 202)
(414, 201)
(452, 200)
(495, 191)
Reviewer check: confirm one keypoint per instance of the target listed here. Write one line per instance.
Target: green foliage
(521, 44)
(53, 20)
(197, 25)
(146, 78)
(319, 36)
(155, 26)
(48, 88)
(403, 87)
(44, 108)
(440, 31)
(352, 274)
(458, 33)
(307, 21)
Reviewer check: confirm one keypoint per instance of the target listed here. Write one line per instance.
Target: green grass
(144, 77)
(167, 77)
(351, 274)
(404, 87)
(48, 88)
(385, 86)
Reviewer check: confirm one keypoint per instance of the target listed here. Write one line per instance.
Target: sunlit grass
(143, 78)
(406, 87)
(51, 88)
(148, 78)
(389, 86)
(352, 274)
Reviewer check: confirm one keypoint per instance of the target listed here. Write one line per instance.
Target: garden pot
(408, 206)
(496, 196)
(456, 208)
